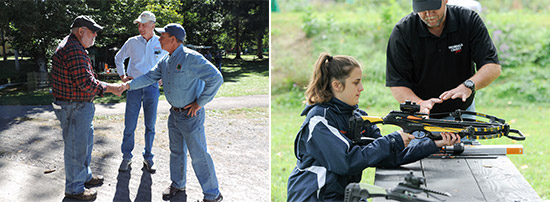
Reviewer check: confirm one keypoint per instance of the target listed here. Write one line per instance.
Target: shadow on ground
(233, 69)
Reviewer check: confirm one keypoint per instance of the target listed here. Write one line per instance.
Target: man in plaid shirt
(74, 86)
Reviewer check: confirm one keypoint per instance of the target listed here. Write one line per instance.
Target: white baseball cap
(146, 16)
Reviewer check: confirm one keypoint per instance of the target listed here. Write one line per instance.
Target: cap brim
(96, 28)
(160, 30)
(426, 5)
(141, 21)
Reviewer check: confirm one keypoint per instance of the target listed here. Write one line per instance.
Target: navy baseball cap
(85, 21)
(173, 29)
(424, 5)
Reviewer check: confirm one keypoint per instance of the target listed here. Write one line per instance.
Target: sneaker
(125, 165)
(170, 192)
(96, 180)
(87, 195)
(150, 166)
(220, 198)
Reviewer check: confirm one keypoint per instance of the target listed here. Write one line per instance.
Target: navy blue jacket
(327, 159)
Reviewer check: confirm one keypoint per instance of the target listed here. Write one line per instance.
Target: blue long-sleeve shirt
(187, 77)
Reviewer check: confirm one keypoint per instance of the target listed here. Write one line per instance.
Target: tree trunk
(16, 55)
(3, 45)
(237, 39)
(260, 51)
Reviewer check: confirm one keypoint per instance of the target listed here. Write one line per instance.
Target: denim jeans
(78, 137)
(150, 98)
(417, 134)
(186, 132)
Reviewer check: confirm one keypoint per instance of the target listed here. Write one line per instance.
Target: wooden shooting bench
(466, 178)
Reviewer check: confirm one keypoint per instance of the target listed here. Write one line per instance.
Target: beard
(437, 24)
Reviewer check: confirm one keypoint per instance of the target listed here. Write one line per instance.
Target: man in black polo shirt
(433, 54)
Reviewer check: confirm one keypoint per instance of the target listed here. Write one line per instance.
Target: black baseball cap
(424, 5)
(85, 21)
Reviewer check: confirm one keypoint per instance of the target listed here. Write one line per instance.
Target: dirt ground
(31, 154)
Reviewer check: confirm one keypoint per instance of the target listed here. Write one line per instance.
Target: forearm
(486, 75)
(401, 93)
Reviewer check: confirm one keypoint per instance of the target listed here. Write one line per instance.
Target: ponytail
(326, 69)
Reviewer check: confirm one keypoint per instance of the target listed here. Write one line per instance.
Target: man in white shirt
(144, 52)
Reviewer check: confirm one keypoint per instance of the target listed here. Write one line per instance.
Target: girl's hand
(448, 139)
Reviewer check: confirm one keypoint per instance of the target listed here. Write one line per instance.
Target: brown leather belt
(178, 109)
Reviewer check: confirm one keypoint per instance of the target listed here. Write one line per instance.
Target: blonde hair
(326, 69)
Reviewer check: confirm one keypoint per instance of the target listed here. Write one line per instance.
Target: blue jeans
(417, 134)
(78, 137)
(150, 98)
(186, 132)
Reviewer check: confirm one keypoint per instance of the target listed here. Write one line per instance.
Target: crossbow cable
(494, 128)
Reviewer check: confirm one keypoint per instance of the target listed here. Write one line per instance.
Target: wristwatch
(470, 84)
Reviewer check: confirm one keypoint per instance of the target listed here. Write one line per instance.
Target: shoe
(96, 180)
(220, 198)
(125, 165)
(150, 166)
(170, 192)
(87, 195)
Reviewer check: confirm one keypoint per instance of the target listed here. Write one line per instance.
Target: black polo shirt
(431, 65)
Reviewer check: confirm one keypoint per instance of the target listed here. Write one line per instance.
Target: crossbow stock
(410, 120)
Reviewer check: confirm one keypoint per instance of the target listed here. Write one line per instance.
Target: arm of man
(82, 74)
(482, 78)
(154, 75)
(120, 56)
(212, 81)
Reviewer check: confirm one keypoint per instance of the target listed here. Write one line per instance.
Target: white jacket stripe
(319, 119)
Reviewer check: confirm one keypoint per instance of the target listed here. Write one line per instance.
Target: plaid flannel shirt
(73, 77)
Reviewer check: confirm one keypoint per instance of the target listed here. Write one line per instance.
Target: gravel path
(237, 135)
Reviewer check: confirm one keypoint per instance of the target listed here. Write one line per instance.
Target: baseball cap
(173, 29)
(424, 5)
(85, 21)
(146, 16)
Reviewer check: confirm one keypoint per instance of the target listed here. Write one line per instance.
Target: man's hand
(427, 105)
(193, 108)
(114, 89)
(406, 137)
(461, 91)
(125, 78)
(160, 82)
(448, 139)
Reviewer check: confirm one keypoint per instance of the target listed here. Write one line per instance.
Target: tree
(247, 21)
(36, 32)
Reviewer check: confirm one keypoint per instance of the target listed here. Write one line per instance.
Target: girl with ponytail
(327, 159)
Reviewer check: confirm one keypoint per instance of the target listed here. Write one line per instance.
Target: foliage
(45, 23)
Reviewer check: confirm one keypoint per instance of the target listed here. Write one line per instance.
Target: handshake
(117, 89)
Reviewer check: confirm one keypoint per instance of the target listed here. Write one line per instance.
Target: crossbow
(408, 190)
(410, 120)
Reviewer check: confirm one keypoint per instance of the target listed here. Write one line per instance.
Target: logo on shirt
(456, 48)
(178, 67)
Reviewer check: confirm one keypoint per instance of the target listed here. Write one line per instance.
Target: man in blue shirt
(190, 82)
(144, 52)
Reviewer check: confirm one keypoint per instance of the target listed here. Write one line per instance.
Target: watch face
(469, 83)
